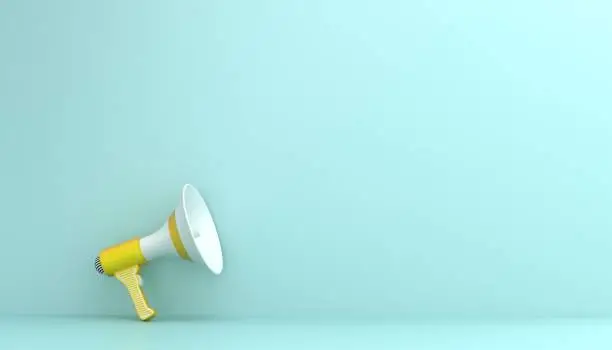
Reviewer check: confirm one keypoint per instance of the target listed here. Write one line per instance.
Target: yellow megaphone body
(189, 233)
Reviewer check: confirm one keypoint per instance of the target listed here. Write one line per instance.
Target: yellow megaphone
(189, 232)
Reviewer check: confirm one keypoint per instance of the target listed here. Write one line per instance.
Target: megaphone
(189, 233)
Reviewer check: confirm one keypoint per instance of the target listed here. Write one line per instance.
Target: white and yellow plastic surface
(189, 233)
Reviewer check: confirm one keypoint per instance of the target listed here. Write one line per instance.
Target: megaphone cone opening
(200, 233)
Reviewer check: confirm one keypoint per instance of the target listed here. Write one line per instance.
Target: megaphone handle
(131, 280)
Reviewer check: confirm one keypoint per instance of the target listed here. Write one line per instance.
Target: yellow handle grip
(131, 280)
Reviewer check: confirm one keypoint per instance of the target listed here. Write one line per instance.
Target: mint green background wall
(372, 157)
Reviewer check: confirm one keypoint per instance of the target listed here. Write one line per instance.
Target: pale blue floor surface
(117, 334)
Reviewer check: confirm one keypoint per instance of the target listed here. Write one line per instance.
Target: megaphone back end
(119, 257)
